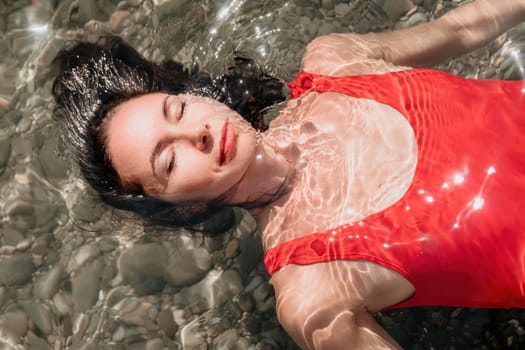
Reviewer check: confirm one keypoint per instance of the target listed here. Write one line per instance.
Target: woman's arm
(459, 31)
(326, 306)
(335, 330)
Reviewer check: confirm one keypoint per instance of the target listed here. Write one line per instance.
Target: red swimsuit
(458, 232)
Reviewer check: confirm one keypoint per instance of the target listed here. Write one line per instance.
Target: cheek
(189, 184)
(193, 174)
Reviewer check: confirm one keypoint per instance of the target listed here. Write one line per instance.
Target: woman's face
(180, 147)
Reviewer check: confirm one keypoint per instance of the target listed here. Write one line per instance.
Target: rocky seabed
(77, 275)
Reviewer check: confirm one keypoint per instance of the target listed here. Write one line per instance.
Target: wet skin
(180, 148)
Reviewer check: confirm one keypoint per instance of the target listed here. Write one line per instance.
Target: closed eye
(182, 108)
(165, 106)
(171, 164)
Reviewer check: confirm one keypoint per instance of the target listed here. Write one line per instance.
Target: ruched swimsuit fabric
(458, 232)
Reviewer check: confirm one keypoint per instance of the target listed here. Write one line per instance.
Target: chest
(356, 157)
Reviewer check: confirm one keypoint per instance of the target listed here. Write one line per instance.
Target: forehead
(131, 135)
(139, 103)
(132, 119)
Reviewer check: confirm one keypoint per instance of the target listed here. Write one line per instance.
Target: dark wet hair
(96, 77)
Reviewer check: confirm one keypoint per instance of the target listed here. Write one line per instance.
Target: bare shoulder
(329, 109)
(344, 54)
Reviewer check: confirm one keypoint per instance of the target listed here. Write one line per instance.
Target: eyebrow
(154, 156)
(158, 146)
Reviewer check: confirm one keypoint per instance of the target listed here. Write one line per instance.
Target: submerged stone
(13, 325)
(143, 266)
(47, 284)
(41, 316)
(5, 152)
(86, 286)
(16, 270)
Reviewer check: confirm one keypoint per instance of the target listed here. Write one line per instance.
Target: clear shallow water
(75, 274)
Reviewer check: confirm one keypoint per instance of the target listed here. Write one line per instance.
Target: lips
(226, 144)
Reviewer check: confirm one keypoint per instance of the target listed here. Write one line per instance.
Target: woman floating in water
(378, 186)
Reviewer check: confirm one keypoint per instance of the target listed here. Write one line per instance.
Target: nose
(202, 138)
(183, 128)
(197, 136)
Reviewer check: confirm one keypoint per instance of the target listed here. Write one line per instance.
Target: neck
(272, 167)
